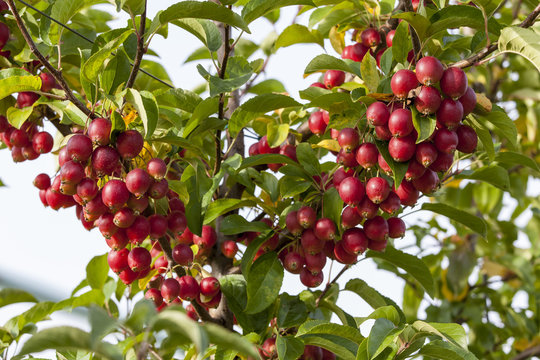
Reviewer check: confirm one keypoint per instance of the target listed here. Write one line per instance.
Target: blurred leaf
(267, 159)
(417, 21)
(448, 331)
(267, 86)
(227, 339)
(255, 9)
(236, 224)
(326, 62)
(221, 206)
(11, 296)
(524, 42)
(97, 271)
(147, 108)
(277, 134)
(465, 218)
(342, 340)
(492, 174)
(504, 126)
(332, 206)
(298, 34)
(382, 329)
(443, 350)
(513, 158)
(456, 16)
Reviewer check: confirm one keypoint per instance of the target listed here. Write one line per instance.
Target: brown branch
(528, 353)
(140, 50)
(57, 74)
(414, 36)
(474, 59)
(329, 285)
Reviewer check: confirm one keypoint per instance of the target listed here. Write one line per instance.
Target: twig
(414, 36)
(329, 285)
(474, 59)
(57, 74)
(140, 50)
(528, 353)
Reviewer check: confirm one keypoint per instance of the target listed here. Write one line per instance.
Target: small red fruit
(429, 70)
(306, 217)
(428, 100)
(99, 131)
(454, 82)
(139, 259)
(354, 241)
(351, 191)
(370, 37)
(42, 142)
(376, 229)
(325, 229)
(402, 82)
(400, 123)
(333, 78)
(377, 114)
(467, 139)
(129, 144)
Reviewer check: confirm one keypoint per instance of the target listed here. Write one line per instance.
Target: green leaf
(255, 9)
(289, 348)
(100, 323)
(17, 117)
(465, 218)
(146, 105)
(66, 338)
(115, 73)
(97, 271)
(504, 126)
(380, 330)
(175, 321)
(332, 205)
(448, 331)
(342, 340)
(326, 62)
(221, 206)
(205, 30)
(524, 42)
(257, 106)
(200, 10)
(492, 174)
(388, 312)
(236, 224)
(183, 99)
(227, 339)
(424, 125)
(298, 34)
(292, 311)
(267, 86)
(263, 282)
(401, 44)
(307, 159)
(344, 317)
(11, 296)
(417, 21)
(514, 158)
(456, 16)
(485, 137)
(443, 350)
(370, 74)
(193, 207)
(267, 159)
(92, 67)
(277, 134)
(17, 81)
(398, 169)
(411, 264)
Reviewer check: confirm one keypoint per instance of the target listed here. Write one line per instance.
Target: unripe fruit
(450, 113)
(340, 175)
(158, 226)
(400, 123)
(118, 260)
(139, 259)
(317, 123)
(115, 194)
(309, 279)
(26, 98)
(415, 169)
(390, 37)
(354, 241)
(42, 142)
(443, 163)
(426, 153)
(170, 289)
(354, 52)
(454, 82)
(79, 148)
(325, 229)
(316, 262)
(346, 159)
(427, 183)
(348, 139)
(293, 262)
(468, 101)
(157, 168)
(182, 255)
(129, 144)
(139, 230)
(333, 78)
(306, 217)
(467, 139)
(407, 193)
(428, 100)
(396, 228)
(377, 189)
(138, 181)
(446, 141)
(209, 286)
(402, 82)
(124, 218)
(376, 229)
(105, 160)
(429, 70)
(229, 248)
(155, 296)
(99, 131)
(392, 203)
(351, 191)
(350, 217)
(402, 149)
(377, 114)
(189, 288)
(311, 243)
(370, 37)
(42, 181)
(343, 256)
(207, 239)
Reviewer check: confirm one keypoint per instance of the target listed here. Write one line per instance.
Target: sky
(48, 250)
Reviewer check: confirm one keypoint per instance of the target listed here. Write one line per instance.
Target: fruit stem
(140, 48)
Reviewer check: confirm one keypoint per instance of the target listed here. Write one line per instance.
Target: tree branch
(140, 50)
(474, 59)
(57, 74)
(414, 37)
(329, 285)
(528, 353)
